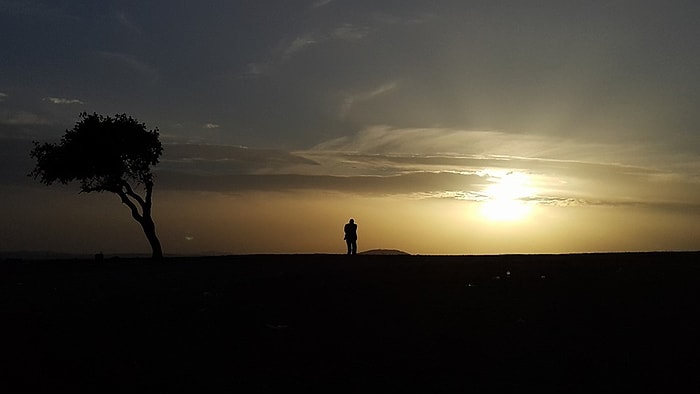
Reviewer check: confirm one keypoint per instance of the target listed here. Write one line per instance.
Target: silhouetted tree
(112, 154)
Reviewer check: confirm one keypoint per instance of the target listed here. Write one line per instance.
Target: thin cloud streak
(217, 160)
(125, 21)
(299, 44)
(291, 47)
(353, 99)
(350, 32)
(457, 142)
(131, 62)
(63, 101)
(23, 118)
(360, 185)
(321, 3)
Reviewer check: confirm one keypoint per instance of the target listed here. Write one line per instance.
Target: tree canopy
(103, 153)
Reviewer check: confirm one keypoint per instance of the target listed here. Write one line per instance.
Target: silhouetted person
(351, 236)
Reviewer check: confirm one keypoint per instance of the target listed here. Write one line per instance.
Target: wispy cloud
(355, 98)
(291, 47)
(63, 101)
(321, 3)
(565, 172)
(3, 96)
(211, 126)
(350, 32)
(436, 140)
(388, 19)
(255, 70)
(404, 184)
(218, 160)
(126, 22)
(300, 43)
(22, 118)
(440, 163)
(131, 62)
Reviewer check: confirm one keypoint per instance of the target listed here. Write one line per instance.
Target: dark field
(332, 323)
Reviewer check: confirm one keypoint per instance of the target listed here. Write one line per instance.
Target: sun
(506, 199)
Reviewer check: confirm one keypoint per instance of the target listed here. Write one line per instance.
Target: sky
(441, 126)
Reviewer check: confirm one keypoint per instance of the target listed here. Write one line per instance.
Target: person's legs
(349, 243)
(354, 247)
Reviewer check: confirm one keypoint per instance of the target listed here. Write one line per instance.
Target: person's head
(352, 220)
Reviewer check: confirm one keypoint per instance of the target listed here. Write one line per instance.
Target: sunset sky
(441, 126)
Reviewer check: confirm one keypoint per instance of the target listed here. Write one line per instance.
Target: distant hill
(385, 252)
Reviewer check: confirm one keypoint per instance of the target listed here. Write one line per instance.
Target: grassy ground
(334, 323)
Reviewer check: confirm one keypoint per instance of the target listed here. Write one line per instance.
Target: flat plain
(334, 323)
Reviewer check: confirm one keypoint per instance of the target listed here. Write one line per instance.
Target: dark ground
(332, 323)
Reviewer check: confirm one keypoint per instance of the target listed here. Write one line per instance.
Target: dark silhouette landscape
(370, 323)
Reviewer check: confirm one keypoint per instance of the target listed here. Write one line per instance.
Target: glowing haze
(442, 127)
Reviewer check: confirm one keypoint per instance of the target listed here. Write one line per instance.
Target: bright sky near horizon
(442, 126)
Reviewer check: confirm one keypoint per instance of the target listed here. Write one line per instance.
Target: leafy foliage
(106, 154)
(102, 153)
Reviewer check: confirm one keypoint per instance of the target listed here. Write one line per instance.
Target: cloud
(388, 19)
(456, 142)
(23, 118)
(288, 48)
(468, 186)
(215, 160)
(283, 52)
(437, 163)
(131, 62)
(211, 126)
(349, 32)
(372, 185)
(344, 32)
(3, 96)
(353, 99)
(237, 169)
(300, 43)
(564, 172)
(125, 21)
(255, 70)
(63, 101)
(321, 3)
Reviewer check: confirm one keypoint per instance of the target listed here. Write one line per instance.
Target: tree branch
(134, 209)
(132, 194)
(149, 196)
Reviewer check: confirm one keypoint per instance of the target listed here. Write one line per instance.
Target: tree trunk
(144, 217)
(149, 228)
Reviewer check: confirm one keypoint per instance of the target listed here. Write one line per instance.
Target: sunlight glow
(505, 199)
